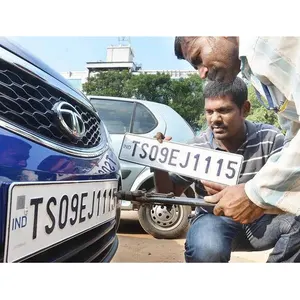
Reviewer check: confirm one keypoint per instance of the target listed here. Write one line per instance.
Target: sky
(71, 53)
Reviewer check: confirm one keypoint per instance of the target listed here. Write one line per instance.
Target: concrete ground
(137, 246)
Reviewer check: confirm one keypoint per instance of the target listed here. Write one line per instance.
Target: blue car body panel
(24, 159)
(33, 162)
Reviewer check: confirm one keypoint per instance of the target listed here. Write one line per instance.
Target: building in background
(76, 78)
(118, 58)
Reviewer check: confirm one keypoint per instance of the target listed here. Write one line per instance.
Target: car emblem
(70, 119)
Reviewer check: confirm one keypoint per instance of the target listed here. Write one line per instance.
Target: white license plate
(192, 161)
(41, 215)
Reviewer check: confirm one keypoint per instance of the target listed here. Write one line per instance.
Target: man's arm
(164, 183)
(277, 65)
(278, 182)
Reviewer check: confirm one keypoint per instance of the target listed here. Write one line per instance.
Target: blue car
(58, 172)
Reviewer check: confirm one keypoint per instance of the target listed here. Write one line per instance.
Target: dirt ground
(135, 245)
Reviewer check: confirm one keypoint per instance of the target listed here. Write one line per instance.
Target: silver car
(146, 118)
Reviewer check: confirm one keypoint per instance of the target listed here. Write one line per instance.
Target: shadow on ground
(130, 225)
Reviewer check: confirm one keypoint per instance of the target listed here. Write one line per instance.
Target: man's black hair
(237, 90)
(177, 47)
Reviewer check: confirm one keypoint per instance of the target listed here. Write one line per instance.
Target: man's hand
(233, 202)
(160, 137)
(212, 187)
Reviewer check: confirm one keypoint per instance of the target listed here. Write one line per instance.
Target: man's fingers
(218, 211)
(213, 185)
(248, 218)
(214, 198)
(160, 137)
(211, 191)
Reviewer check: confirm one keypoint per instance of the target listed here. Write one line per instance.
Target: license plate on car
(191, 161)
(43, 214)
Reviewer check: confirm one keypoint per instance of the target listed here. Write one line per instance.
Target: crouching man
(212, 238)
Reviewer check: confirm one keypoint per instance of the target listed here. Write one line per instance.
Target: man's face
(215, 58)
(224, 117)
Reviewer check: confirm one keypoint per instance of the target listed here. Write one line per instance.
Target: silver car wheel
(166, 217)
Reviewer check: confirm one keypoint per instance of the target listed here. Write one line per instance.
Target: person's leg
(209, 238)
(281, 232)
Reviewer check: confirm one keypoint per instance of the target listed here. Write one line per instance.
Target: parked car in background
(146, 118)
(58, 171)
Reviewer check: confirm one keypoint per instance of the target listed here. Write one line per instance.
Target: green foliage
(151, 87)
(107, 83)
(187, 98)
(258, 112)
(202, 124)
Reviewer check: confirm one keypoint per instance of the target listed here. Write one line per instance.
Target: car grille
(27, 101)
(96, 245)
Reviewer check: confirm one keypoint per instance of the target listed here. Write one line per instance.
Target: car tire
(164, 222)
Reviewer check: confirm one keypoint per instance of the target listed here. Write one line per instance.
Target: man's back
(272, 65)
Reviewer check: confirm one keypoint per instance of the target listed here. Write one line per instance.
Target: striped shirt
(262, 141)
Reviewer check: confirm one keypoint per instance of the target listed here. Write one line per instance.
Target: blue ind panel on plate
(3, 209)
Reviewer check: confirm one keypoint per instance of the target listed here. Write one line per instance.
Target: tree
(187, 98)
(258, 112)
(110, 83)
(151, 87)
